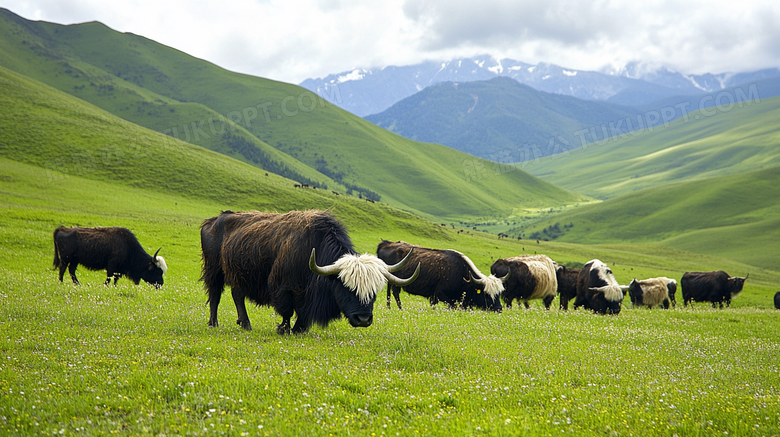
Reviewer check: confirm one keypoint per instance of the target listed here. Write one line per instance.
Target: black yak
(115, 250)
(715, 287)
(448, 276)
(530, 277)
(567, 285)
(597, 289)
(275, 259)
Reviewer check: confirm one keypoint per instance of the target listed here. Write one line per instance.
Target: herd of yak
(303, 263)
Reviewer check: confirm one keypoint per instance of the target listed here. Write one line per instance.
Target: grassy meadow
(135, 360)
(96, 360)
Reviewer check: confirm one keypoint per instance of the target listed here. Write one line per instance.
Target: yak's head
(606, 294)
(154, 271)
(361, 277)
(635, 292)
(487, 291)
(736, 284)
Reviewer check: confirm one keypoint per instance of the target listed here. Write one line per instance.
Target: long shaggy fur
(264, 257)
(654, 290)
(543, 269)
(160, 262)
(363, 274)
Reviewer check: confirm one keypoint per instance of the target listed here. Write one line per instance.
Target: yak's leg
(285, 306)
(525, 302)
(666, 304)
(116, 277)
(72, 271)
(396, 295)
(508, 302)
(548, 301)
(215, 285)
(214, 298)
(564, 303)
(389, 291)
(239, 298)
(63, 267)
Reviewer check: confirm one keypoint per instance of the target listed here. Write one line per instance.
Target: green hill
(275, 126)
(735, 217)
(737, 138)
(498, 116)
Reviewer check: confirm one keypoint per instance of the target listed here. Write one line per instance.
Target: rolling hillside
(704, 144)
(735, 217)
(66, 162)
(497, 116)
(260, 121)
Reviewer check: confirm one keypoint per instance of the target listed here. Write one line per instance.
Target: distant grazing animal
(114, 249)
(597, 289)
(567, 285)
(530, 277)
(297, 185)
(716, 287)
(651, 292)
(271, 259)
(777, 300)
(447, 276)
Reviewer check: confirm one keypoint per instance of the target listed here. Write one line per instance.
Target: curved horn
(322, 271)
(503, 280)
(398, 282)
(402, 263)
(748, 275)
(480, 281)
(155, 254)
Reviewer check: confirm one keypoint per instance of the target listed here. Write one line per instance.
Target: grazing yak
(276, 259)
(652, 292)
(777, 300)
(115, 250)
(715, 287)
(597, 289)
(448, 276)
(567, 285)
(530, 277)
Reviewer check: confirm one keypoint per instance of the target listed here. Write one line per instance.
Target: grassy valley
(704, 144)
(96, 360)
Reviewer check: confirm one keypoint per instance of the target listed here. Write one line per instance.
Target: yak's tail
(57, 261)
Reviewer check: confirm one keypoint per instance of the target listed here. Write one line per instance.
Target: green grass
(97, 360)
(160, 88)
(744, 138)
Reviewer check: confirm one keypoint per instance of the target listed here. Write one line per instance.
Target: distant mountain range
(370, 91)
(498, 119)
(503, 120)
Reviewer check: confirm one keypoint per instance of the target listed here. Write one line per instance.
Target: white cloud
(291, 41)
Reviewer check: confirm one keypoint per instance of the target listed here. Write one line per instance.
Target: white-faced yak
(115, 250)
(530, 277)
(448, 276)
(652, 292)
(716, 287)
(597, 289)
(301, 263)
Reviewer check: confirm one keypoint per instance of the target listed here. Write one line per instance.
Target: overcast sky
(290, 40)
